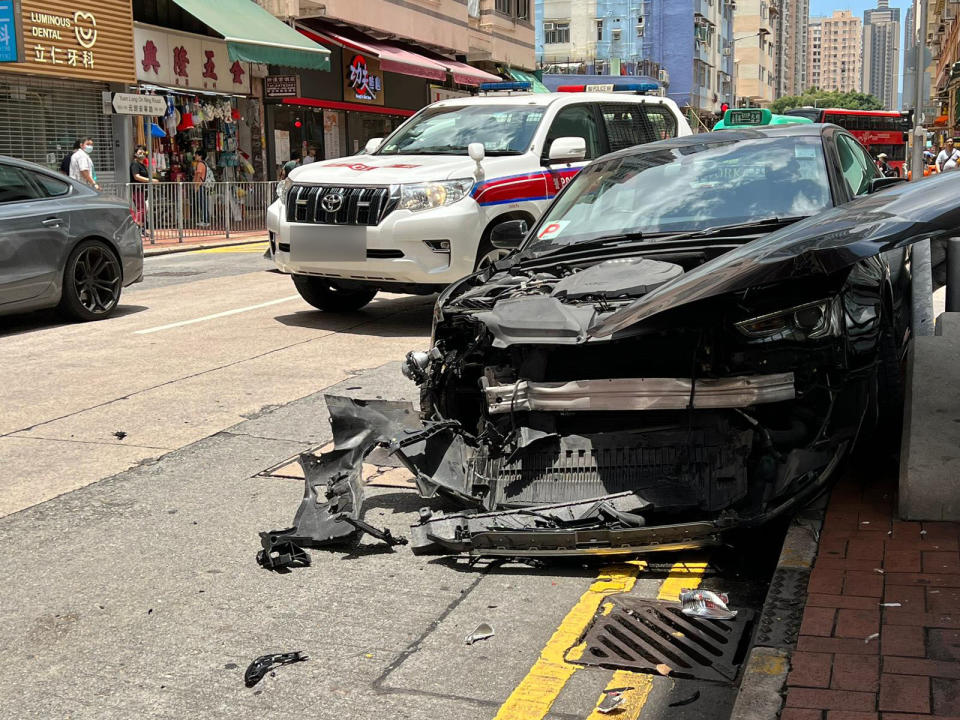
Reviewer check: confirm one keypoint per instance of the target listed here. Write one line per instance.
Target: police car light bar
(611, 87)
(492, 86)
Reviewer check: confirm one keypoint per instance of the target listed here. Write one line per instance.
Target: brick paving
(858, 657)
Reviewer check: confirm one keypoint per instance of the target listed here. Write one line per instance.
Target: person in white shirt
(81, 164)
(949, 157)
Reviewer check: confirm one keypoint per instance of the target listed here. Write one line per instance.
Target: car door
(33, 233)
(578, 120)
(856, 166)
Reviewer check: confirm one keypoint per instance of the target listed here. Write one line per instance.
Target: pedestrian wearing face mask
(81, 164)
(140, 179)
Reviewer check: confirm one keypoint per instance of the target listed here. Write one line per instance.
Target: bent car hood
(387, 169)
(822, 244)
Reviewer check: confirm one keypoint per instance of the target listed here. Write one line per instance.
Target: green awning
(254, 35)
(521, 76)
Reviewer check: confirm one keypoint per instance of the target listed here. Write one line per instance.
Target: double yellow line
(536, 693)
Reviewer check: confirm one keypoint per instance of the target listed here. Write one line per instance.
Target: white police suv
(415, 211)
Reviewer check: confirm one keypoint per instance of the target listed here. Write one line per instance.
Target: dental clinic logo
(365, 85)
(85, 28)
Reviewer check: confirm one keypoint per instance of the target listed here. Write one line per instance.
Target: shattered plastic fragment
(706, 604)
(482, 632)
(610, 702)
(868, 638)
(258, 669)
(664, 669)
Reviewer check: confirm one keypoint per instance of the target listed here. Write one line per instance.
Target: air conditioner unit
(615, 34)
(662, 92)
(726, 52)
(639, 30)
(663, 76)
(548, 26)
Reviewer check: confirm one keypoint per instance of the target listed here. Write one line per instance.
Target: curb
(760, 695)
(152, 250)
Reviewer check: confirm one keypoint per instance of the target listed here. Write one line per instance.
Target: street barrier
(169, 210)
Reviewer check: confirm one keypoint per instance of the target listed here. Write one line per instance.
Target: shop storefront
(52, 87)
(210, 110)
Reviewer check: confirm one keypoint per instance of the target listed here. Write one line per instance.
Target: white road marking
(216, 315)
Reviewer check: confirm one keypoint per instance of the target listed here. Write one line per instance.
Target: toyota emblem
(332, 202)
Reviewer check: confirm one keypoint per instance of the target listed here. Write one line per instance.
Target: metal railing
(168, 210)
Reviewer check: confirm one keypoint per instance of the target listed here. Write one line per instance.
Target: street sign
(8, 32)
(132, 104)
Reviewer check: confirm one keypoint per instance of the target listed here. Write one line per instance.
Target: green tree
(825, 98)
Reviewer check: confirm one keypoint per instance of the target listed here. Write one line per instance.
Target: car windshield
(687, 188)
(503, 130)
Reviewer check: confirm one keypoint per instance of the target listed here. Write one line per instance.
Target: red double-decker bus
(880, 131)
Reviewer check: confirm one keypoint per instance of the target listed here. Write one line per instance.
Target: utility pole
(921, 272)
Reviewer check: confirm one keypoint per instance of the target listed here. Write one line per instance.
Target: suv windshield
(689, 187)
(503, 130)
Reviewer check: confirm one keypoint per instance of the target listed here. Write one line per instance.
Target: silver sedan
(63, 244)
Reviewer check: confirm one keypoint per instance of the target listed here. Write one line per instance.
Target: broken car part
(258, 669)
(706, 604)
(482, 632)
(612, 699)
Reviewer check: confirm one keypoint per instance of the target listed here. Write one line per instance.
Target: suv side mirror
(879, 183)
(508, 235)
(372, 145)
(567, 149)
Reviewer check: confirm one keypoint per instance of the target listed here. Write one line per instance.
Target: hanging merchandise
(186, 122)
(157, 131)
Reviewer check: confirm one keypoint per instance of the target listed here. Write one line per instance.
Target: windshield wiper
(750, 225)
(600, 242)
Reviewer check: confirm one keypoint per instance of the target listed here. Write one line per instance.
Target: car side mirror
(567, 149)
(372, 145)
(879, 183)
(476, 151)
(508, 235)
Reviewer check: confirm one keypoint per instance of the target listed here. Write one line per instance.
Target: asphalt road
(131, 583)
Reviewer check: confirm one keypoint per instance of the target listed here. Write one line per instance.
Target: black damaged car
(691, 340)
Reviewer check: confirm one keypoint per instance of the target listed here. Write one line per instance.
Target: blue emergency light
(491, 86)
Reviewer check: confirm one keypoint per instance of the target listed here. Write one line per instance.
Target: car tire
(324, 295)
(487, 254)
(92, 282)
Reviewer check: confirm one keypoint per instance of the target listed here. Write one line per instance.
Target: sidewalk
(880, 638)
(165, 245)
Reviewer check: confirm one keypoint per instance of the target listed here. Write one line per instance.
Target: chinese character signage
(8, 32)
(90, 39)
(281, 85)
(362, 79)
(192, 62)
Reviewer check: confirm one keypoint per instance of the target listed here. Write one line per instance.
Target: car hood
(388, 169)
(821, 244)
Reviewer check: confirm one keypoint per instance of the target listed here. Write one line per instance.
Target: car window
(51, 186)
(624, 125)
(663, 122)
(576, 121)
(857, 167)
(14, 185)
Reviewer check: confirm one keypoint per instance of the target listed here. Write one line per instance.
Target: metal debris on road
(686, 701)
(612, 699)
(482, 632)
(706, 604)
(258, 669)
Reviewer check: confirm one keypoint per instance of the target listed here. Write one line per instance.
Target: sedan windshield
(688, 188)
(503, 130)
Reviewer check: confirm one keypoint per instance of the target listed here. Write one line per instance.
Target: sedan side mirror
(508, 235)
(372, 145)
(879, 183)
(568, 149)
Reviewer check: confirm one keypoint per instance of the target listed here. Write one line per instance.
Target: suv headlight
(810, 321)
(283, 187)
(424, 196)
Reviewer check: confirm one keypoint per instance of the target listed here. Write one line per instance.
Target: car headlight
(810, 321)
(424, 196)
(283, 187)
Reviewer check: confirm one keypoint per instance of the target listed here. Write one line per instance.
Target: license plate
(320, 243)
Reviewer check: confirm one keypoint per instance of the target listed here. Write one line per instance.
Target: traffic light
(724, 107)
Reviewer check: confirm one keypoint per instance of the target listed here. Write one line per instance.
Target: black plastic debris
(265, 663)
(281, 555)
(686, 701)
(119, 434)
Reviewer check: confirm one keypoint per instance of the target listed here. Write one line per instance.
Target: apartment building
(909, 57)
(683, 45)
(881, 53)
(755, 31)
(791, 47)
(834, 61)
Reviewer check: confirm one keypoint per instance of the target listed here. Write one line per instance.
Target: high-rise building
(684, 45)
(755, 48)
(834, 52)
(909, 58)
(791, 47)
(881, 53)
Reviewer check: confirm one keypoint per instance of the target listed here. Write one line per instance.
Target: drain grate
(638, 634)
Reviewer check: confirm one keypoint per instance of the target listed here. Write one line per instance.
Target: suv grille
(358, 205)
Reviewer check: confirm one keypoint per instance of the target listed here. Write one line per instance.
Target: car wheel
(324, 295)
(487, 255)
(92, 281)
